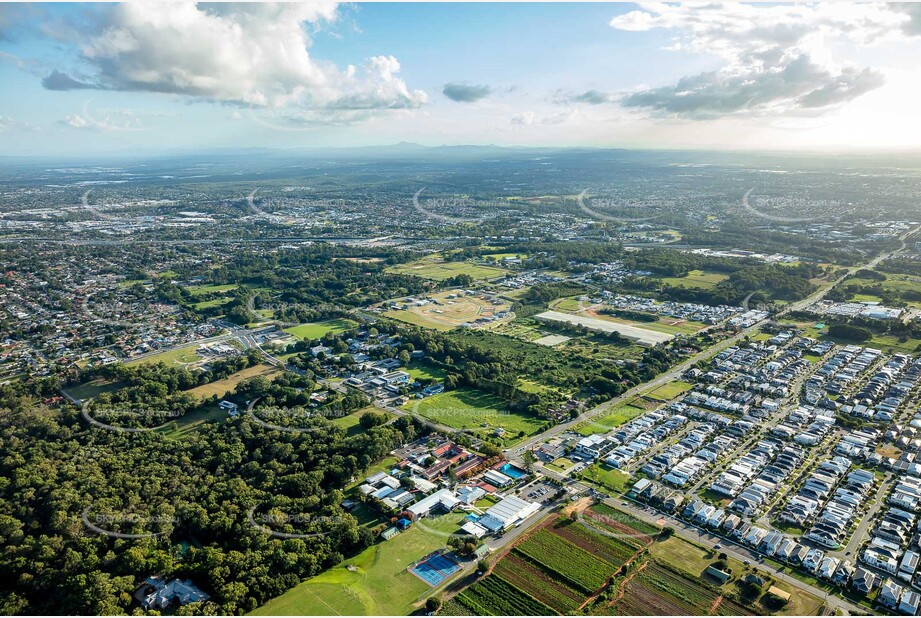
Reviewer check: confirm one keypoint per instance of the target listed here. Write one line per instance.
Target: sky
(159, 77)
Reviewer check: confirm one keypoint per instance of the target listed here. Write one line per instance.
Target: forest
(191, 494)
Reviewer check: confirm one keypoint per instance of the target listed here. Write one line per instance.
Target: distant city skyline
(95, 79)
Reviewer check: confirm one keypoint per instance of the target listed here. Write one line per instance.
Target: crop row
(681, 589)
(585, 571)
(493, 596)
(614, 551)
(533, 580)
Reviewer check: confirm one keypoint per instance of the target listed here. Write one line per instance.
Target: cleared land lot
(445, 313)
(179, 356)
(633, 333)
(552, 340)
(219, 388)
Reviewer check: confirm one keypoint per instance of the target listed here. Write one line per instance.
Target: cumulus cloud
(6, 123)
(253, 55)
(912, 25)
(56, 80)
(776, 58)
(464, 93)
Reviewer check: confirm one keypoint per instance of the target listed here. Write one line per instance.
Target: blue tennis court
(435, 570)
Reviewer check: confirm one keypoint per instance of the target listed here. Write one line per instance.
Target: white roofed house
(910, 602)
(161, 594)
(828, 567)
(591, 447)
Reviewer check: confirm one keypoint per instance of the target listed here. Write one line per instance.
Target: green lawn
(375, 582)
(419, 370)
(560, 465)
(316, 330)
(467, 408)
(485, 502)
(606, 477)
(567, 304)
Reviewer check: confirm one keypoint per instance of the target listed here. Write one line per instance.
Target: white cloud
(245, 54)
(777, 58)
(528, 118)
(76, 121)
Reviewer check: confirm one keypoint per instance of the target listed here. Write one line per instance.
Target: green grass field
(192, 421)
(466, 408)
(669, 391)
(316, 330)
(350, 422)
(179, 356)
(517, 293)
(375, 582)
(568, 304)
(615, 418)
(695, 279)
(207, 304)
(93, 388)
(432, 267)
(426, 372)
(895, 283)
(200, 290)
